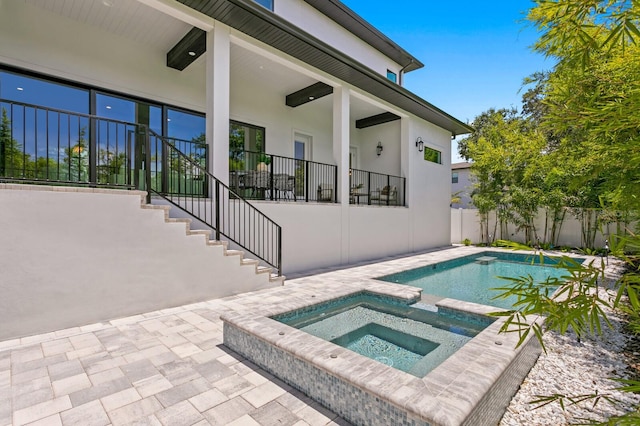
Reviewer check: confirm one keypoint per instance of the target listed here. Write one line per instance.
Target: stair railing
(183, 181)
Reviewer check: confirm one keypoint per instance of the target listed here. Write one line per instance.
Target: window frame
(430, 152)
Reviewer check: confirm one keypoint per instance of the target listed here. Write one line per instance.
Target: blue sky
(476, 54)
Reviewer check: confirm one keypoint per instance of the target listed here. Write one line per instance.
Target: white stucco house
(462, 185)
(297, 106)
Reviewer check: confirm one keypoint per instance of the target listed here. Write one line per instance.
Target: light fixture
(19, 89)
(192, 53)
(108, 107)
(419, 144)
(311, 98)
(379, 148)
(108, 3)
(453, 136)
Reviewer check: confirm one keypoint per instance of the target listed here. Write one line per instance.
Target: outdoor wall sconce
(379, 149)
(419, 144)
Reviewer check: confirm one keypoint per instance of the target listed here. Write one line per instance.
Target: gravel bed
(572, 367)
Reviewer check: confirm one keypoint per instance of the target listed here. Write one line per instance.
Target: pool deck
(170, 367)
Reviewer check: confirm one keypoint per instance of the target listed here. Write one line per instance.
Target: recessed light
(168, 119)
(311, 98)
(108, 107)
(261, 67)
(19, 89)
(108, 3)
(192, 53)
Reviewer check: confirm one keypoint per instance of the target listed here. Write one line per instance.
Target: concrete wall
(79, 256)
(465, 223)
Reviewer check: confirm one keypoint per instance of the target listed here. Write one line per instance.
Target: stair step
(274, 278)
(218, 243)
(263, 270)
(199, 232)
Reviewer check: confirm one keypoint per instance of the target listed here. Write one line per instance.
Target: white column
(218, 59)
(407, 152)
(341, 156)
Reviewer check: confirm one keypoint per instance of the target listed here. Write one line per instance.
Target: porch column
(407, 152)
(218, 59)
(341, 157)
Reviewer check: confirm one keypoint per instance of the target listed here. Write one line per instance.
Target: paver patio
(167, 367)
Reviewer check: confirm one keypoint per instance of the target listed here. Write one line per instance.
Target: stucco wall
(77, 257)
(314, 22)
(430, 185)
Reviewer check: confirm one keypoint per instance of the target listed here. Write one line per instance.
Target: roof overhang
(254, 20)
(353, 22)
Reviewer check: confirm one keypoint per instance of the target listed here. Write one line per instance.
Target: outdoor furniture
(257, 181)
(284, 183)
(388, 195)
(325, 192)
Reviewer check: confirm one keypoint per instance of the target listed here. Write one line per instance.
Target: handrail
(181, 180)
(377, 188)
(52, 146)
(261, 176)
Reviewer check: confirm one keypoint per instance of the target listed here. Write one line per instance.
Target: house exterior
(462, 185)
(301, 94)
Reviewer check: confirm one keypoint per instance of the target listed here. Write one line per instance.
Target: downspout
(402, 71)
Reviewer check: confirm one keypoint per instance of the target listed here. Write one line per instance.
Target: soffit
(126, 18)
(350, 20)
(254, 20)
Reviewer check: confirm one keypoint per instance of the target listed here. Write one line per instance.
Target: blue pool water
(388, 330)
(472, 281)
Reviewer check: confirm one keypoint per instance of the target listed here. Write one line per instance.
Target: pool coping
(451, 394)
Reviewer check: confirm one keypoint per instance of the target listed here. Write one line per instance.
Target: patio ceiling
(254, 20)
(150, 27)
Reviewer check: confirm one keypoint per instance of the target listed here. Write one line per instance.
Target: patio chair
(257, 181)
(388, 195)
(284, 183)
(325, 192)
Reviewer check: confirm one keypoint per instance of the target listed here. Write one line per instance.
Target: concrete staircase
(207, 234)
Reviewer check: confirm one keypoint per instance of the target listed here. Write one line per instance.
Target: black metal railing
(260, 176)
(46, 145)
(199, 193)
(39, 144)
(376, 188)
(172, 175)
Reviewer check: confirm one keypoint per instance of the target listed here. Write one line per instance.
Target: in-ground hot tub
(412, 339)
(472, 386)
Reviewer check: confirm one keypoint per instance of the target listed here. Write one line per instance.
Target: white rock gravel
(572, 368)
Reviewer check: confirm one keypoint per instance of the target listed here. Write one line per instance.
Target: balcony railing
(49, 146)
(376, 188)
(260, 176)
(196, 191)
(40, 144)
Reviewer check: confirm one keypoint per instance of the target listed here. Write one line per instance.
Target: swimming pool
(410, 339)
(471, 279)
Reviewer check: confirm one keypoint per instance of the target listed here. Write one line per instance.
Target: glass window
(245, 137)
(266, 3)
(454, 177)
(432, 155)
(30, 90)
(392, 76)
(186, 125)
